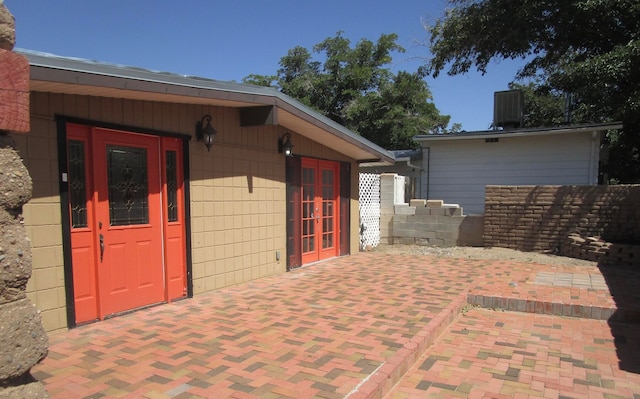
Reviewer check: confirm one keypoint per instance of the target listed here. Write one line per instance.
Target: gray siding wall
(460, 169)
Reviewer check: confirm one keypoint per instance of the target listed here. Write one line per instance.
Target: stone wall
(539, 218)
(23, 341)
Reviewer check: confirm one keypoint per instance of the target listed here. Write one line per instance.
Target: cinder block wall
(538, 218)
(424, 222)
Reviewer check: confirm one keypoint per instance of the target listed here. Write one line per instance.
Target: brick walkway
(497, 354)
(350, 327)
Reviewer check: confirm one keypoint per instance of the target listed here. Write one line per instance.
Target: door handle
(101, 247)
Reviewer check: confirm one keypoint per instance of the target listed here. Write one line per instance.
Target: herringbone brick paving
(349, 327)
(315, 332)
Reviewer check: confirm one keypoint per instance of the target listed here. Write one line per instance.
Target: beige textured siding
(237, 192)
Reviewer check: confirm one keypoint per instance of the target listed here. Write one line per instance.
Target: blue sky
(228, 40)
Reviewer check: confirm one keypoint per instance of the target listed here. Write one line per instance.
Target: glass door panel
(319, 209)
(308, 210)
(128, 187)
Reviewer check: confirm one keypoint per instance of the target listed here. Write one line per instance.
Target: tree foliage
(355, 87)
(589, 48)
(548, 107)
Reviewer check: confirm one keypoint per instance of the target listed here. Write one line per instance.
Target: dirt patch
(481, 253)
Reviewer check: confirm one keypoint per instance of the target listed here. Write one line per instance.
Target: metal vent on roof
(508, 109)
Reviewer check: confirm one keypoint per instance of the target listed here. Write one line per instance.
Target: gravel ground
(481, 253)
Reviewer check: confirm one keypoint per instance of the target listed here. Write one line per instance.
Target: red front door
(118, 222)
(320, 211)
(127, 182)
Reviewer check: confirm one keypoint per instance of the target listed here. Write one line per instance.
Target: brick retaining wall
(539, 218)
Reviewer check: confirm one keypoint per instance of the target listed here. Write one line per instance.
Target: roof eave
(486, 134)
(74, 76)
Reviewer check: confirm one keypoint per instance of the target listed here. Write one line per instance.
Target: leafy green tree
(545, 106)
(355, 87)
(589, 48)
(260, 80)
(400, 109)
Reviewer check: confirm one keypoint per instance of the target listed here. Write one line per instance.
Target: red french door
(126, 221)
(320, 210)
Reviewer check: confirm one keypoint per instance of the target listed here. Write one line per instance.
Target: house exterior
(457, 167)
(407, 163)
(131, 209)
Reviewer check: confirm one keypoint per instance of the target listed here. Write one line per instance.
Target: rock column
(23, 341)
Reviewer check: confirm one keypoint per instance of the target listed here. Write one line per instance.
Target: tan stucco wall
(237, 192)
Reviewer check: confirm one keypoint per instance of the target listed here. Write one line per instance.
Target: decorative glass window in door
(172, 187)
(128, 186)
(77, 184)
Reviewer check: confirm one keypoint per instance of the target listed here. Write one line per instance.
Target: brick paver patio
(350, 327)
(496, 354)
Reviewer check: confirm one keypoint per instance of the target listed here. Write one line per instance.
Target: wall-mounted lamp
(284, 145)
(205, 133)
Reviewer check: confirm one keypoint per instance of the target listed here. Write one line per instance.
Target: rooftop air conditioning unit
(508, 109)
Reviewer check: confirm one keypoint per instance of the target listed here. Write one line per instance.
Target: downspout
(409, 164)
(428, 169)
(594, 158)
(420, 170)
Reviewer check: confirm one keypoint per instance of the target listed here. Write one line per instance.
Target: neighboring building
(130, 210)
(408, 163)
(457, 167)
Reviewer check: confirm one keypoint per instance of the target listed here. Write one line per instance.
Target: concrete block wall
(391, 189)
(539, 218)
(416, 223)
(424, 222)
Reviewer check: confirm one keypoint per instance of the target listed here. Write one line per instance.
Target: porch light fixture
(284, 145)
(205, 133)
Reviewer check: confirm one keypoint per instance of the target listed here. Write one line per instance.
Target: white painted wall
(459, 170)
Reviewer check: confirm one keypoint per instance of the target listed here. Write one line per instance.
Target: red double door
(320, 209)
(126, 220)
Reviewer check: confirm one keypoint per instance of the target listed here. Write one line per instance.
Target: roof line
(539, 131)
(278, 99)
(47, 60)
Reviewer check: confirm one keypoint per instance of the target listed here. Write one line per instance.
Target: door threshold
(126, 312)
(319, 261)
